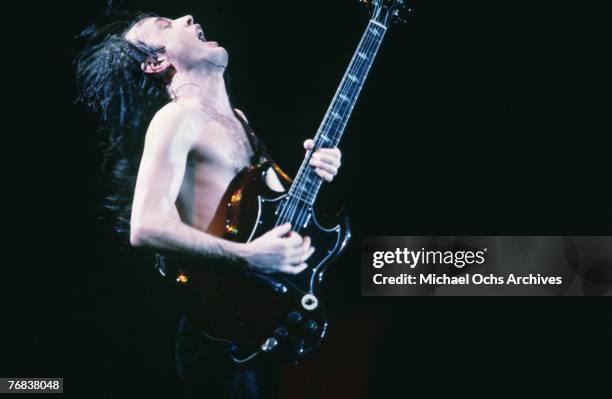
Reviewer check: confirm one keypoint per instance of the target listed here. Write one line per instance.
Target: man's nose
(187, 20)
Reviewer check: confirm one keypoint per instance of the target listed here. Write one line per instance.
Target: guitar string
(370, 49)
(359, 68)
(293, 205)
(367, 44)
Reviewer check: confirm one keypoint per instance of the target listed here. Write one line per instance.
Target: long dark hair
(111, 83)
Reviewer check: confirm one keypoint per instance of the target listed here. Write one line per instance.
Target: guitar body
(252, 312)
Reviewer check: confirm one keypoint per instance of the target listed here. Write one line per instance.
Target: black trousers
(208, 372)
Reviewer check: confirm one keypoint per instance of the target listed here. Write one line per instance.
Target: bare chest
(222, 145)
(221, 149)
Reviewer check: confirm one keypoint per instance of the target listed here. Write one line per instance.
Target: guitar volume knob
(269, 344)
(312, 326)
(281, 332)
(294, 317)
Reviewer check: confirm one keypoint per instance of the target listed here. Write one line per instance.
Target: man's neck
(202, 88)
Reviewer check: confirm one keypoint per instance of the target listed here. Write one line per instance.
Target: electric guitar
(255, 313)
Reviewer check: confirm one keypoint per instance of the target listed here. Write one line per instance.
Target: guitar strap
(260, 153)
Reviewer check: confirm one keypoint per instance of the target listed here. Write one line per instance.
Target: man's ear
(155, 64)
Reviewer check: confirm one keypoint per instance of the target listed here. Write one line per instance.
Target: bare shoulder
(170, 113)
(172, 120)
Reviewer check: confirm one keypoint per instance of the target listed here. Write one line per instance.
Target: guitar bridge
(275, 285)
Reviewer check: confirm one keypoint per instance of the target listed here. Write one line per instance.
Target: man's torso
(220, 151)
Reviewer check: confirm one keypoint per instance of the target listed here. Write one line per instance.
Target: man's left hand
(326, 161)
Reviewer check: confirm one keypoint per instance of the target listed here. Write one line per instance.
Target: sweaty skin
(194, 147)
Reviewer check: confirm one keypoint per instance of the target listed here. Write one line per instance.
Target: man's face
(184, 41)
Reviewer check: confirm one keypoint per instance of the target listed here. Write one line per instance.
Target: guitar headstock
(386, 12)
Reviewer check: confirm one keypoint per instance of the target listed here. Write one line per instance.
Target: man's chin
(223, 57)
(220, 62)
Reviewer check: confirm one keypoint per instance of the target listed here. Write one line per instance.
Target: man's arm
(155, 221)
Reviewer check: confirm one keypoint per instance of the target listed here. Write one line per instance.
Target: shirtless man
(194, 147)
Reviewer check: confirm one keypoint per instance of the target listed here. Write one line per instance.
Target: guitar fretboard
(307, 183)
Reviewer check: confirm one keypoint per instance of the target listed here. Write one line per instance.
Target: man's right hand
(279, 250)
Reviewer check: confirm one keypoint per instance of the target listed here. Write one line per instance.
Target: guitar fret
(378, 23)
(299, 197)
(307, 183)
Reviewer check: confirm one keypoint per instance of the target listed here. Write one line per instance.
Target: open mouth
(202, 38)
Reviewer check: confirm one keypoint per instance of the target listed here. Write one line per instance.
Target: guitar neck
(307, 183)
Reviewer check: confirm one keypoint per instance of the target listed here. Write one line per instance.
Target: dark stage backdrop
(478, 118)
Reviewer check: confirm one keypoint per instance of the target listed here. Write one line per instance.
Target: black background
(477, 118)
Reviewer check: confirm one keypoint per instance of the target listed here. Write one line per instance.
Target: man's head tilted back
(181, 43)
(123, 75)
(127, 66)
